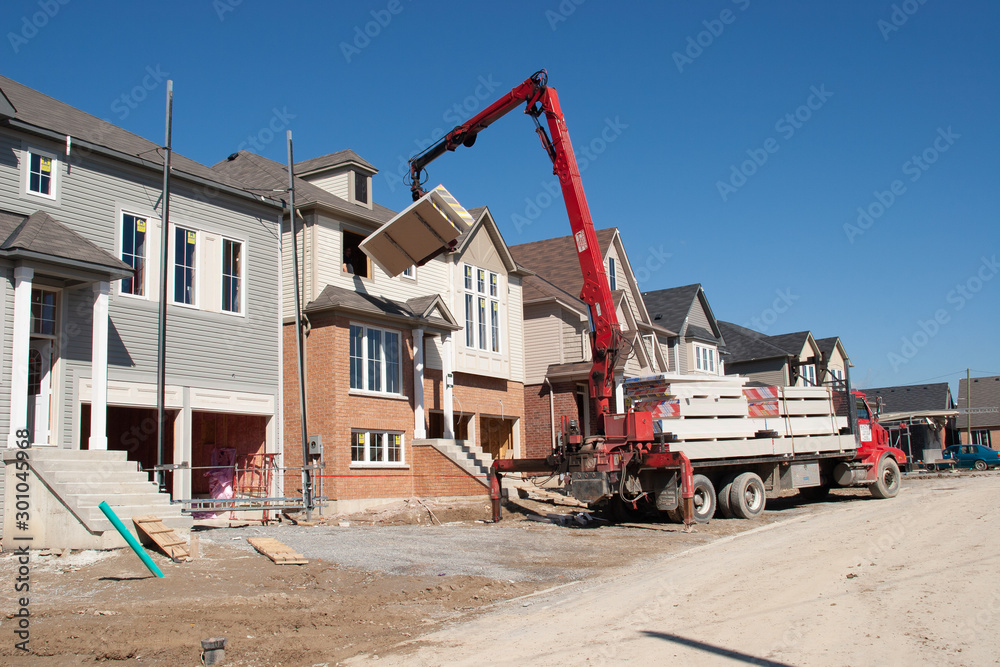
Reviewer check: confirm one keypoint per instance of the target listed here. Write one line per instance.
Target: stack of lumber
(712, 416)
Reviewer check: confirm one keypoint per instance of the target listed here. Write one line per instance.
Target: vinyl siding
(515, 329)
(769, 371)
(542, 324)
(204, 349)
(336, 184)
(697, 316)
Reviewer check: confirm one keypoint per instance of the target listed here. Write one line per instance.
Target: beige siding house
(698, 346)
(414, 383)
(557, 334)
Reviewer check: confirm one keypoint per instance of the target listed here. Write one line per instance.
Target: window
(360, 188)
(134, 254)
(375, 360)
(808, 375)
(376, 447)
(41, 176)
(981, 436)
(482, 309)
(409, 272)
(185, 243)
(232, 276)
(356, 262)
(612, 278)
(704, 358)
(43, 312)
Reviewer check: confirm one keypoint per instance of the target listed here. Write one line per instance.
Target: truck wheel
(704, 499)
(747, 498)
(722, 497)
(980, 465)
(887, 481)
(930, 467)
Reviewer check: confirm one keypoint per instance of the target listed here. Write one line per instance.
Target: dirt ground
(413, 583)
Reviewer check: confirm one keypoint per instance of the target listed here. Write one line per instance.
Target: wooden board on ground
(169, 542)
(276, 551)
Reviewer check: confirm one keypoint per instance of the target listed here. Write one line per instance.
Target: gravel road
(910, 581)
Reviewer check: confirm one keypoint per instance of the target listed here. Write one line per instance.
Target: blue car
(973, 456)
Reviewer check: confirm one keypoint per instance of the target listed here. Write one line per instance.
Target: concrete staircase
(67, 488)
(467, 456)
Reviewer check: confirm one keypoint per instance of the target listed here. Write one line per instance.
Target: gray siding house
(80, 203)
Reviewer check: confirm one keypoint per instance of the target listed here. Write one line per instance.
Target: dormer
(343, 174)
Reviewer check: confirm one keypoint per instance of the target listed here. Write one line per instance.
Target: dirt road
(911, 581)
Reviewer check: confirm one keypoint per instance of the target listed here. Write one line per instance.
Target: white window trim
(172, 276)
(122, 212)
(808, 379)
(413, 274)
(27, 152)
(244, 253)
(364, 364)
(58, 312)
(379, 464)
(483, 344)
(714, 358)
(612, 276)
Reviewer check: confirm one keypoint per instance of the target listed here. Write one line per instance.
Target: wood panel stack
(713, 417)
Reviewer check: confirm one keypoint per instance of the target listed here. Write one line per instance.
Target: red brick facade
(333, 411)
(538, 440)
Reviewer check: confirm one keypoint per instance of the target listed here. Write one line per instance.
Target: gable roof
(671, 307)
(484, 220)
(41, 237)
(44, 115)
(744, 344)
(985, 394)
(914, 397)
(270, 177)
(791, 342)
(414, 312)
(556, 260)
(331, 160)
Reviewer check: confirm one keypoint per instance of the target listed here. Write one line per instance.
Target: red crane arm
(596, 293)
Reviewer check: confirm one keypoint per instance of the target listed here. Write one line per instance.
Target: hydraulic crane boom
(539, 99)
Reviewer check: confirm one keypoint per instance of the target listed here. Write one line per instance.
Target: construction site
(654, 378)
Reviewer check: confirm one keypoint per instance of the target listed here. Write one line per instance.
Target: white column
(419, 429)
(20, 342)
(448, 379)
(99, 368)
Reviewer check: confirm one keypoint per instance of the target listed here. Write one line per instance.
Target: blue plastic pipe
(132, 542)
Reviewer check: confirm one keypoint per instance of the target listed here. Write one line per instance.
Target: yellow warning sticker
(140, 225)
(191, 237)
(46, 165)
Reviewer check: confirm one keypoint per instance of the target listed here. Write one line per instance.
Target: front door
(39, 389)
(498, 435)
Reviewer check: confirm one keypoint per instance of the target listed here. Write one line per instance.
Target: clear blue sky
(829, 102)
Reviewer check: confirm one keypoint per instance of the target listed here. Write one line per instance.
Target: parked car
(973, 456)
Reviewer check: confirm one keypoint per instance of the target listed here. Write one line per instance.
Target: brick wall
(538, 442)
(333, 411)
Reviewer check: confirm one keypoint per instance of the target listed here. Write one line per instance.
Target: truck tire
(930, 467)
(704, 499)
(980, 465)
(887, 480)
(747, 498)
(722, 497)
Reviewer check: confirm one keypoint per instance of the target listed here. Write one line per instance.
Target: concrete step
(126, 512)
(151, 500)
(81, 487)
(94, 477)
(58, 454)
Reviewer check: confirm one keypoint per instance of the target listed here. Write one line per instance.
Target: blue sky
(828, 167)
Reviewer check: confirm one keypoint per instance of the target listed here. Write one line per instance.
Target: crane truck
(687, 446)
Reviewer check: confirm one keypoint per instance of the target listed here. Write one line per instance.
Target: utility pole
(968, 403)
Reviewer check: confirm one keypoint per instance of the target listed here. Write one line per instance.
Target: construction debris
(169, 542)
(276, 551)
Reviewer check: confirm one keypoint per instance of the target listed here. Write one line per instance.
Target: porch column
(20, 341)
(448, 379)
(419, 430)
(99, 368)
